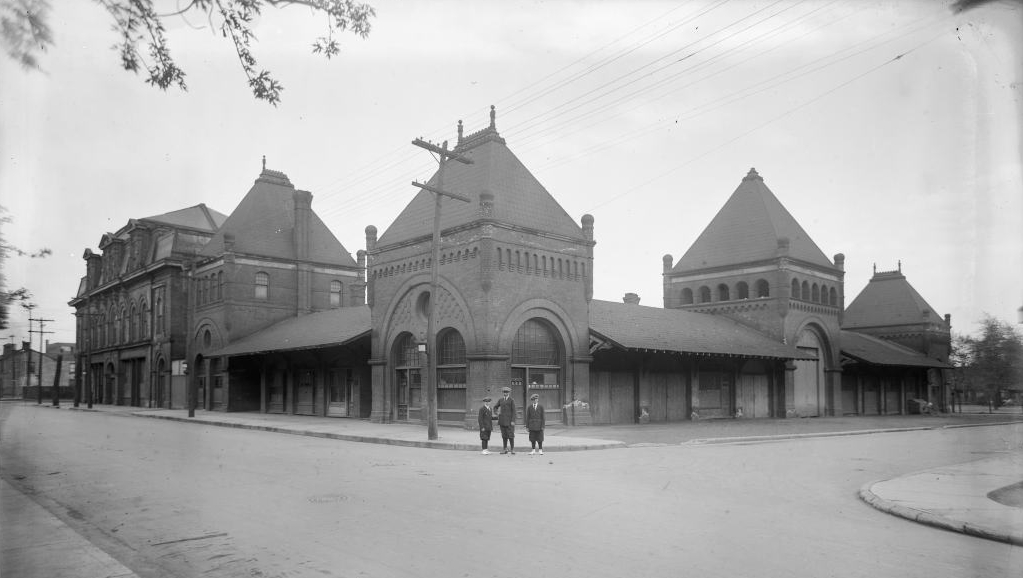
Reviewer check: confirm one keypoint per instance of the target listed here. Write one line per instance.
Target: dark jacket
(486, 417)
(535, 418)
(506, 409)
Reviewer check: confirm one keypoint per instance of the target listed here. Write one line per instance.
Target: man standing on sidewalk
(506, 419)
(486, 417)
(535, 422)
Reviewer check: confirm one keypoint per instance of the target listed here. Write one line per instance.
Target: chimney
(631, 299)
(303, 204)
(303, 209)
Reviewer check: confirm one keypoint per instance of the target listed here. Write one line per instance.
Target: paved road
(172, 499)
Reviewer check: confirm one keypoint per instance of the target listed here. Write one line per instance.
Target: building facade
(19, 375)
(271, 261)
(515, 280)
(132, 306)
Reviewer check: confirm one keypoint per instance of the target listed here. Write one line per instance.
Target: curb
(749, 439)
(430, 444)
(930, 519)
(767, 438)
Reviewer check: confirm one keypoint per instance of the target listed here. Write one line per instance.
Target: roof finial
(900, 265)
(875, 268)
(459, 131)
(752, 175)
(493, 116)
(264, 162)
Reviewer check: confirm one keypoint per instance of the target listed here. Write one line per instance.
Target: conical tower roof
(519, 198)
(887, 300)
(747, 229)
(263, 224)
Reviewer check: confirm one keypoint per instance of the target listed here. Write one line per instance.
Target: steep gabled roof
(747, 229)
(641, 327)
(519, 198)
(263, 223)
(311, 331)
(876, 351)
(198, 217)
(889, 300)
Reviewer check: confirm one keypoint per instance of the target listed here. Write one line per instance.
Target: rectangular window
(262, 285)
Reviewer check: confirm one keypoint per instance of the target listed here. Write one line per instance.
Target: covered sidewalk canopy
(312, 331)
(637, 327)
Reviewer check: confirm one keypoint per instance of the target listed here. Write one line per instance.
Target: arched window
(704, 294)
(335, 293)
(742, 290)
(815, 293)
(795, 289)
(207, 339)
(408, 379)
(133, 326)
(159, 312)
(143, 320)
(262, 285)
(220, 285)
(123, 329)
(833, 297)
(113, 322)
(806, 291)
(687, 296)
(763, 288)
(723, 294)
(535, 345)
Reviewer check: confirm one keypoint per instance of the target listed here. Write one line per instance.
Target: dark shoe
(504, 451)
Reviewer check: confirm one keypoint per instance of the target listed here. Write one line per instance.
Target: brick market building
(272, 277)
(278, 317)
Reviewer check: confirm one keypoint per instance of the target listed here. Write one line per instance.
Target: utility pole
(443, 155)
(39, 368)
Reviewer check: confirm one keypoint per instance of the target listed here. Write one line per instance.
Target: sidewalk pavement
(959, 497)
(34, 542)
(954, 497)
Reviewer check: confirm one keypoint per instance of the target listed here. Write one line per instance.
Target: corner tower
(515, 280)
(756, 264)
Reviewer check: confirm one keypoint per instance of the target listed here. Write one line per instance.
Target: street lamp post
(431, 339)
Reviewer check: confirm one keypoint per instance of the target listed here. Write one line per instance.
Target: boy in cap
(486, 416)
(506, 419)
(535, 422)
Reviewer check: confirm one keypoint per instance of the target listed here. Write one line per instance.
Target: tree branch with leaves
(143, 45)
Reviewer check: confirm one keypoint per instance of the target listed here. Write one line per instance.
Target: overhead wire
(768, 122)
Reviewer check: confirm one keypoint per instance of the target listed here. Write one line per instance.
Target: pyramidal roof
(198, 217)
(747, 229)
(519, 198)
(888, 299)
(263, 224)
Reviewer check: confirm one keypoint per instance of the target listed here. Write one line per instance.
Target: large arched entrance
(537, 367)
(809, 381)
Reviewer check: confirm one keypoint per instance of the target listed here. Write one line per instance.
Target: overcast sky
(889, 129)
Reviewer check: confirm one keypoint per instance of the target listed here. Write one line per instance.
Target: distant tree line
(989, 367)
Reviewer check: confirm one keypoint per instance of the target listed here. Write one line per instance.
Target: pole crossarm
(437, 191)
(444, 153)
